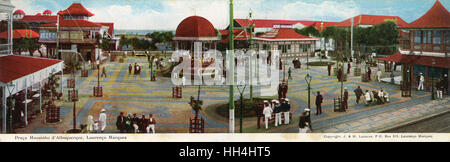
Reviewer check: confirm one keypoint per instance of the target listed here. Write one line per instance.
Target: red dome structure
(47, 12)
(195, 28)
(19, 12)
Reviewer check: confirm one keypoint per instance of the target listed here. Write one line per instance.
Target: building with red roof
(426, 49)
(76, 32)
(287, 41)
(370, 20)
(265, 25)
(20, 33)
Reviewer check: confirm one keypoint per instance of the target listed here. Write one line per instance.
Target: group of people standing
(134, 124)
(379, 97)
(137, 69)
(276, 108)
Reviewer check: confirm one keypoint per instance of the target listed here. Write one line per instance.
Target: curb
(413, 121)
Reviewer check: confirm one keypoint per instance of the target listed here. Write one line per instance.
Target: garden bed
(320, 63)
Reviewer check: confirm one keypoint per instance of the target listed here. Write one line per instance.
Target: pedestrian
(277, 111)
(346, 98)
(445, 84)
(104, 72)
(143, 123)
(102, 120)
(90, 124)
(287, 110)
(358, 92)
(135, 121)
(369, 73)
(152, 123)
(367, 97)
(329, 69)
(349, 66)
(307, 112)
(290, 74)
(120, 123)
(129, 123)
(303, 125)
(440, 88)
(130, 69)
(381, 96)
(267, 113)
(319, 101)
(421, 80)
(379, 75)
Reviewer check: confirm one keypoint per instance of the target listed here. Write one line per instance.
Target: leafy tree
(308, 31)
(27, 44)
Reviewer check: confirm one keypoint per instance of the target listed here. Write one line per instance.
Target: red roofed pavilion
(195, 28)
(287, 41)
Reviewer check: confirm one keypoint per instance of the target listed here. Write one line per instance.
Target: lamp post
(433, 62)
(241, 92)
(11, 102)
(308, 79)
(231, 70)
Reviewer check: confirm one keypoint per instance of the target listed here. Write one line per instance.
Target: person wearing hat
(135, 120)
(286, 111)
(143, 123)
(319, 101)
(267, 113)
(421, 80)
(102, 120)
(120, 123)
(277, 111)
(307, 113)
(151, 124)
(129, 123)
(303, 126)
(346, 98)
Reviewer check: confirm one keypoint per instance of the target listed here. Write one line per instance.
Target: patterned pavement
(123, 92)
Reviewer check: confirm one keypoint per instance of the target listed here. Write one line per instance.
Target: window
(429, 37)
(417, 36)
(437, 37)
(447, 37)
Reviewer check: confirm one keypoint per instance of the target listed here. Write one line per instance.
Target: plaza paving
(123, 92)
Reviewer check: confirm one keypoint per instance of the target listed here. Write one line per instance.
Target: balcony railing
(439, 48)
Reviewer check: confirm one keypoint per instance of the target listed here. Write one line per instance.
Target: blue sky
(167, 14)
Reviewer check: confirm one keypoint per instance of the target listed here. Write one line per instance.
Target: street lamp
(11, 104)
(308, 79)
(433, 62)
(241, 92)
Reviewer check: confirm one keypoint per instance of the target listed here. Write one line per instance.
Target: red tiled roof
(10, 70)
(20, 33)
(195, 27)
(19, 12)
(371, 20)
(41, 18)
(238, 35)
(436, 17)
(73, 23)
(76, 9)
(283, 33)
(442, 62)
(111, 28)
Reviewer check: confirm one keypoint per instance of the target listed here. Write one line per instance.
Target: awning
(25, 71)
(443, 62)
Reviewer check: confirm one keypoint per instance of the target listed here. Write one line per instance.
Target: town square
(63, 72)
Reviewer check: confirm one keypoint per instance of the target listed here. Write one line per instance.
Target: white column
(4, 109)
